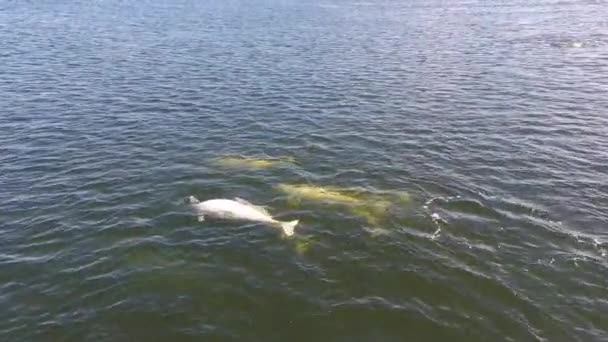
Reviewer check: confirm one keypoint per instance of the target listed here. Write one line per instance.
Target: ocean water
(489, 118)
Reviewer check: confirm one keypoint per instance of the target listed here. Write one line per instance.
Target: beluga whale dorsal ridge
(238, 209)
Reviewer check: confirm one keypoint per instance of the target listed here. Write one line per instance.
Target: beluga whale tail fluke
(238, 209)
(289, 227)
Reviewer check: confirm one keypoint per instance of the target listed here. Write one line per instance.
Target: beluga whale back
(238, 210)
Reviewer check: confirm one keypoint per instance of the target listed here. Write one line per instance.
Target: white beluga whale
(238, 210)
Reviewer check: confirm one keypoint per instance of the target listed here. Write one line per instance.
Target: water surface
(492, 116)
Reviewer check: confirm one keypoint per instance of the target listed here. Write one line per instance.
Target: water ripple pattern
(491, 116)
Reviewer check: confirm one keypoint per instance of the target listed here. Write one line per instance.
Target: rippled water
(492, 116)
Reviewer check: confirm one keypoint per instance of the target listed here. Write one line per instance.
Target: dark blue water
(491, 116)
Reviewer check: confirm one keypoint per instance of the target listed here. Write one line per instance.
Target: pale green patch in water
(319, 193)
(403, 196)
(303, 244)
(376, 232)
(246, 162)
(372, 206)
